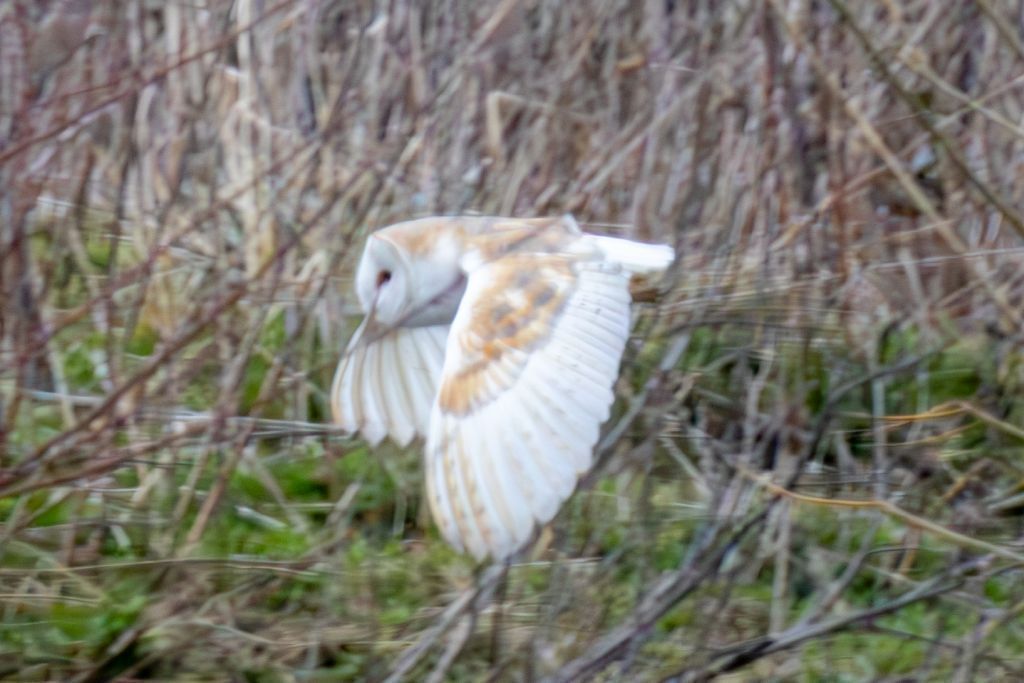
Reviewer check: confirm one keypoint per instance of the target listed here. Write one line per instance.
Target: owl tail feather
(636, 257)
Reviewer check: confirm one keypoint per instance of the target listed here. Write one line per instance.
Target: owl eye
(383, 277)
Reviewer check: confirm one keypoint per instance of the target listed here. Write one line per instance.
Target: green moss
(142, 341)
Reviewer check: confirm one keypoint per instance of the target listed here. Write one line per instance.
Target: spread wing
(387, 387)
(531, 359)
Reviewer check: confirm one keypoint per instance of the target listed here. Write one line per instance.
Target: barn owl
(498, 341)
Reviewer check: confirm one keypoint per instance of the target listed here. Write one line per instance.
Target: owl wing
(530, 362)
(386, 387)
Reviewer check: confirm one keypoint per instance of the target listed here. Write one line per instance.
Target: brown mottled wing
(387, 387)
(530, 362)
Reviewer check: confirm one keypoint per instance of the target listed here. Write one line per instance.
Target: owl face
(397, 288)
(383, 282)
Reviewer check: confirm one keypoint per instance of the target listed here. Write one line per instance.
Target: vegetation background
(814, 469)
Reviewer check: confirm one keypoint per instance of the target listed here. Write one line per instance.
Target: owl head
(400, 284)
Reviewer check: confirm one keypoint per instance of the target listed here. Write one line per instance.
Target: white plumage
(497, 340)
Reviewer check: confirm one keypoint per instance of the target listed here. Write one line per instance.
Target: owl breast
(439, 305)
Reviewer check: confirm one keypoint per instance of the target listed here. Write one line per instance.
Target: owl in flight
(498, 340)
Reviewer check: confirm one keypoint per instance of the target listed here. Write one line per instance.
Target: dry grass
(814, 468)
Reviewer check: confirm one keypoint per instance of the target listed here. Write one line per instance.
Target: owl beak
(368, 332)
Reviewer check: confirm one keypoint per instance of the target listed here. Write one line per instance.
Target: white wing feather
(387, 387)
(498, 468)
